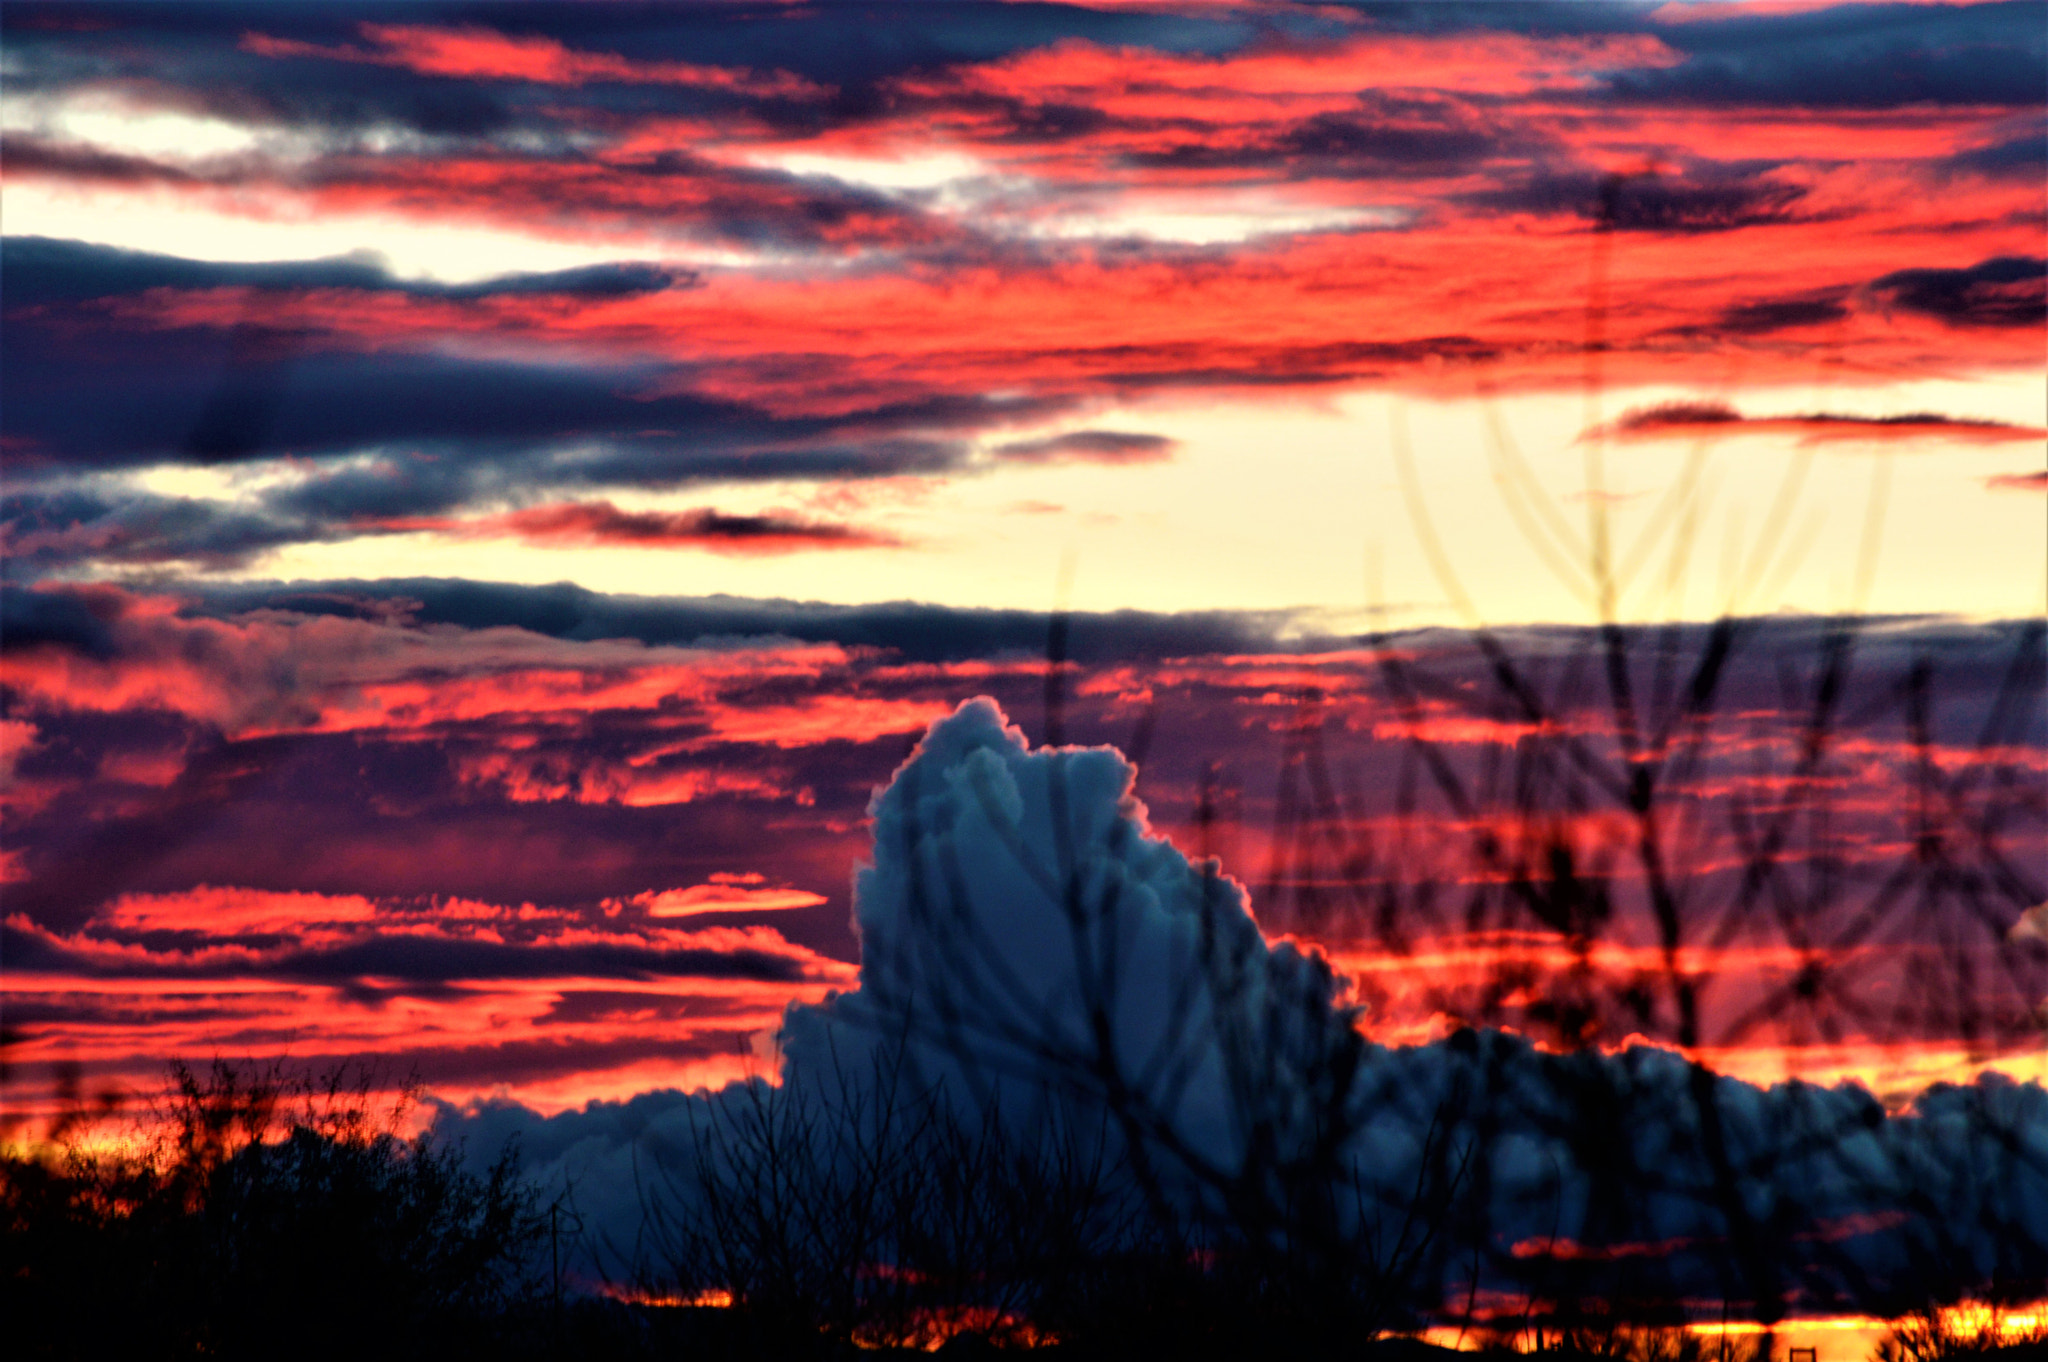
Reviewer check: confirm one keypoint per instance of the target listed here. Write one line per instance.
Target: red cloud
(543, 1039)
(1289, 80)
(600, 522)
(717, 897)
(476, 53)
(1694, 420)
(1090, 446)
(527, 777)
(1570, 1250)
(827, 718)
(227, 911)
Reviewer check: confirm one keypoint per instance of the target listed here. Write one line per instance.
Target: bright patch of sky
(1223, 223)
(199, 483)
(1267, 506)
(447, 252)
(890, 174)
(109, 123)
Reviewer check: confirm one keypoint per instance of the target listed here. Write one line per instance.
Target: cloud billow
(1026, 939)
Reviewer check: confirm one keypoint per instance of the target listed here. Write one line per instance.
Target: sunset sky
(492, 491)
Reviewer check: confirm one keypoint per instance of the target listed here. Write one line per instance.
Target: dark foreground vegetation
(997, 1166)
(266, 1218)
(246, 1215)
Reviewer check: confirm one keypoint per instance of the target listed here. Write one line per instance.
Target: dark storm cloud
(1090, 446)
(89, 391)
(42, 532)
(79, 620)
(851, 53)
(560, 1057)
(86, 390)
(35, 619)
(30, 156)
(1689, 419)
(1362, 139)
(2011, 290)
(1444, 17)
(427, 483)
(190, 54)
(464, 425)
(1650, 203)
(198, 401)
(855, 47)
(924, 633)
(36, 271)
(1387, 136)
(1764, 315)
(422, 960)
(1850, 56)
(2023, 156)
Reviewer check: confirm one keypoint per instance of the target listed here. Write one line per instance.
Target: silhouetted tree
(250, 1216)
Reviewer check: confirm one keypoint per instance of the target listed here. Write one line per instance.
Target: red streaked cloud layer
(472, 52)
(531, 996)
(1473, 166)
(683, 820)
(1711, 420)
(603, 523)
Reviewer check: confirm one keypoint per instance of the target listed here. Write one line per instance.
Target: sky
(492, 493)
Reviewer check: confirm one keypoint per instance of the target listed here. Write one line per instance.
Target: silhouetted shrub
(1983, 1331)
(252, 1217)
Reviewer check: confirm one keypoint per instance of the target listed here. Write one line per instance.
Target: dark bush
(250, 1216)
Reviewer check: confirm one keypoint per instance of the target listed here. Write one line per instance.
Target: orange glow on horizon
(1503, 1324)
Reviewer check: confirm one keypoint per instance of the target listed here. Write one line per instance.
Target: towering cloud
(1027, 939)
(1022, 920)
